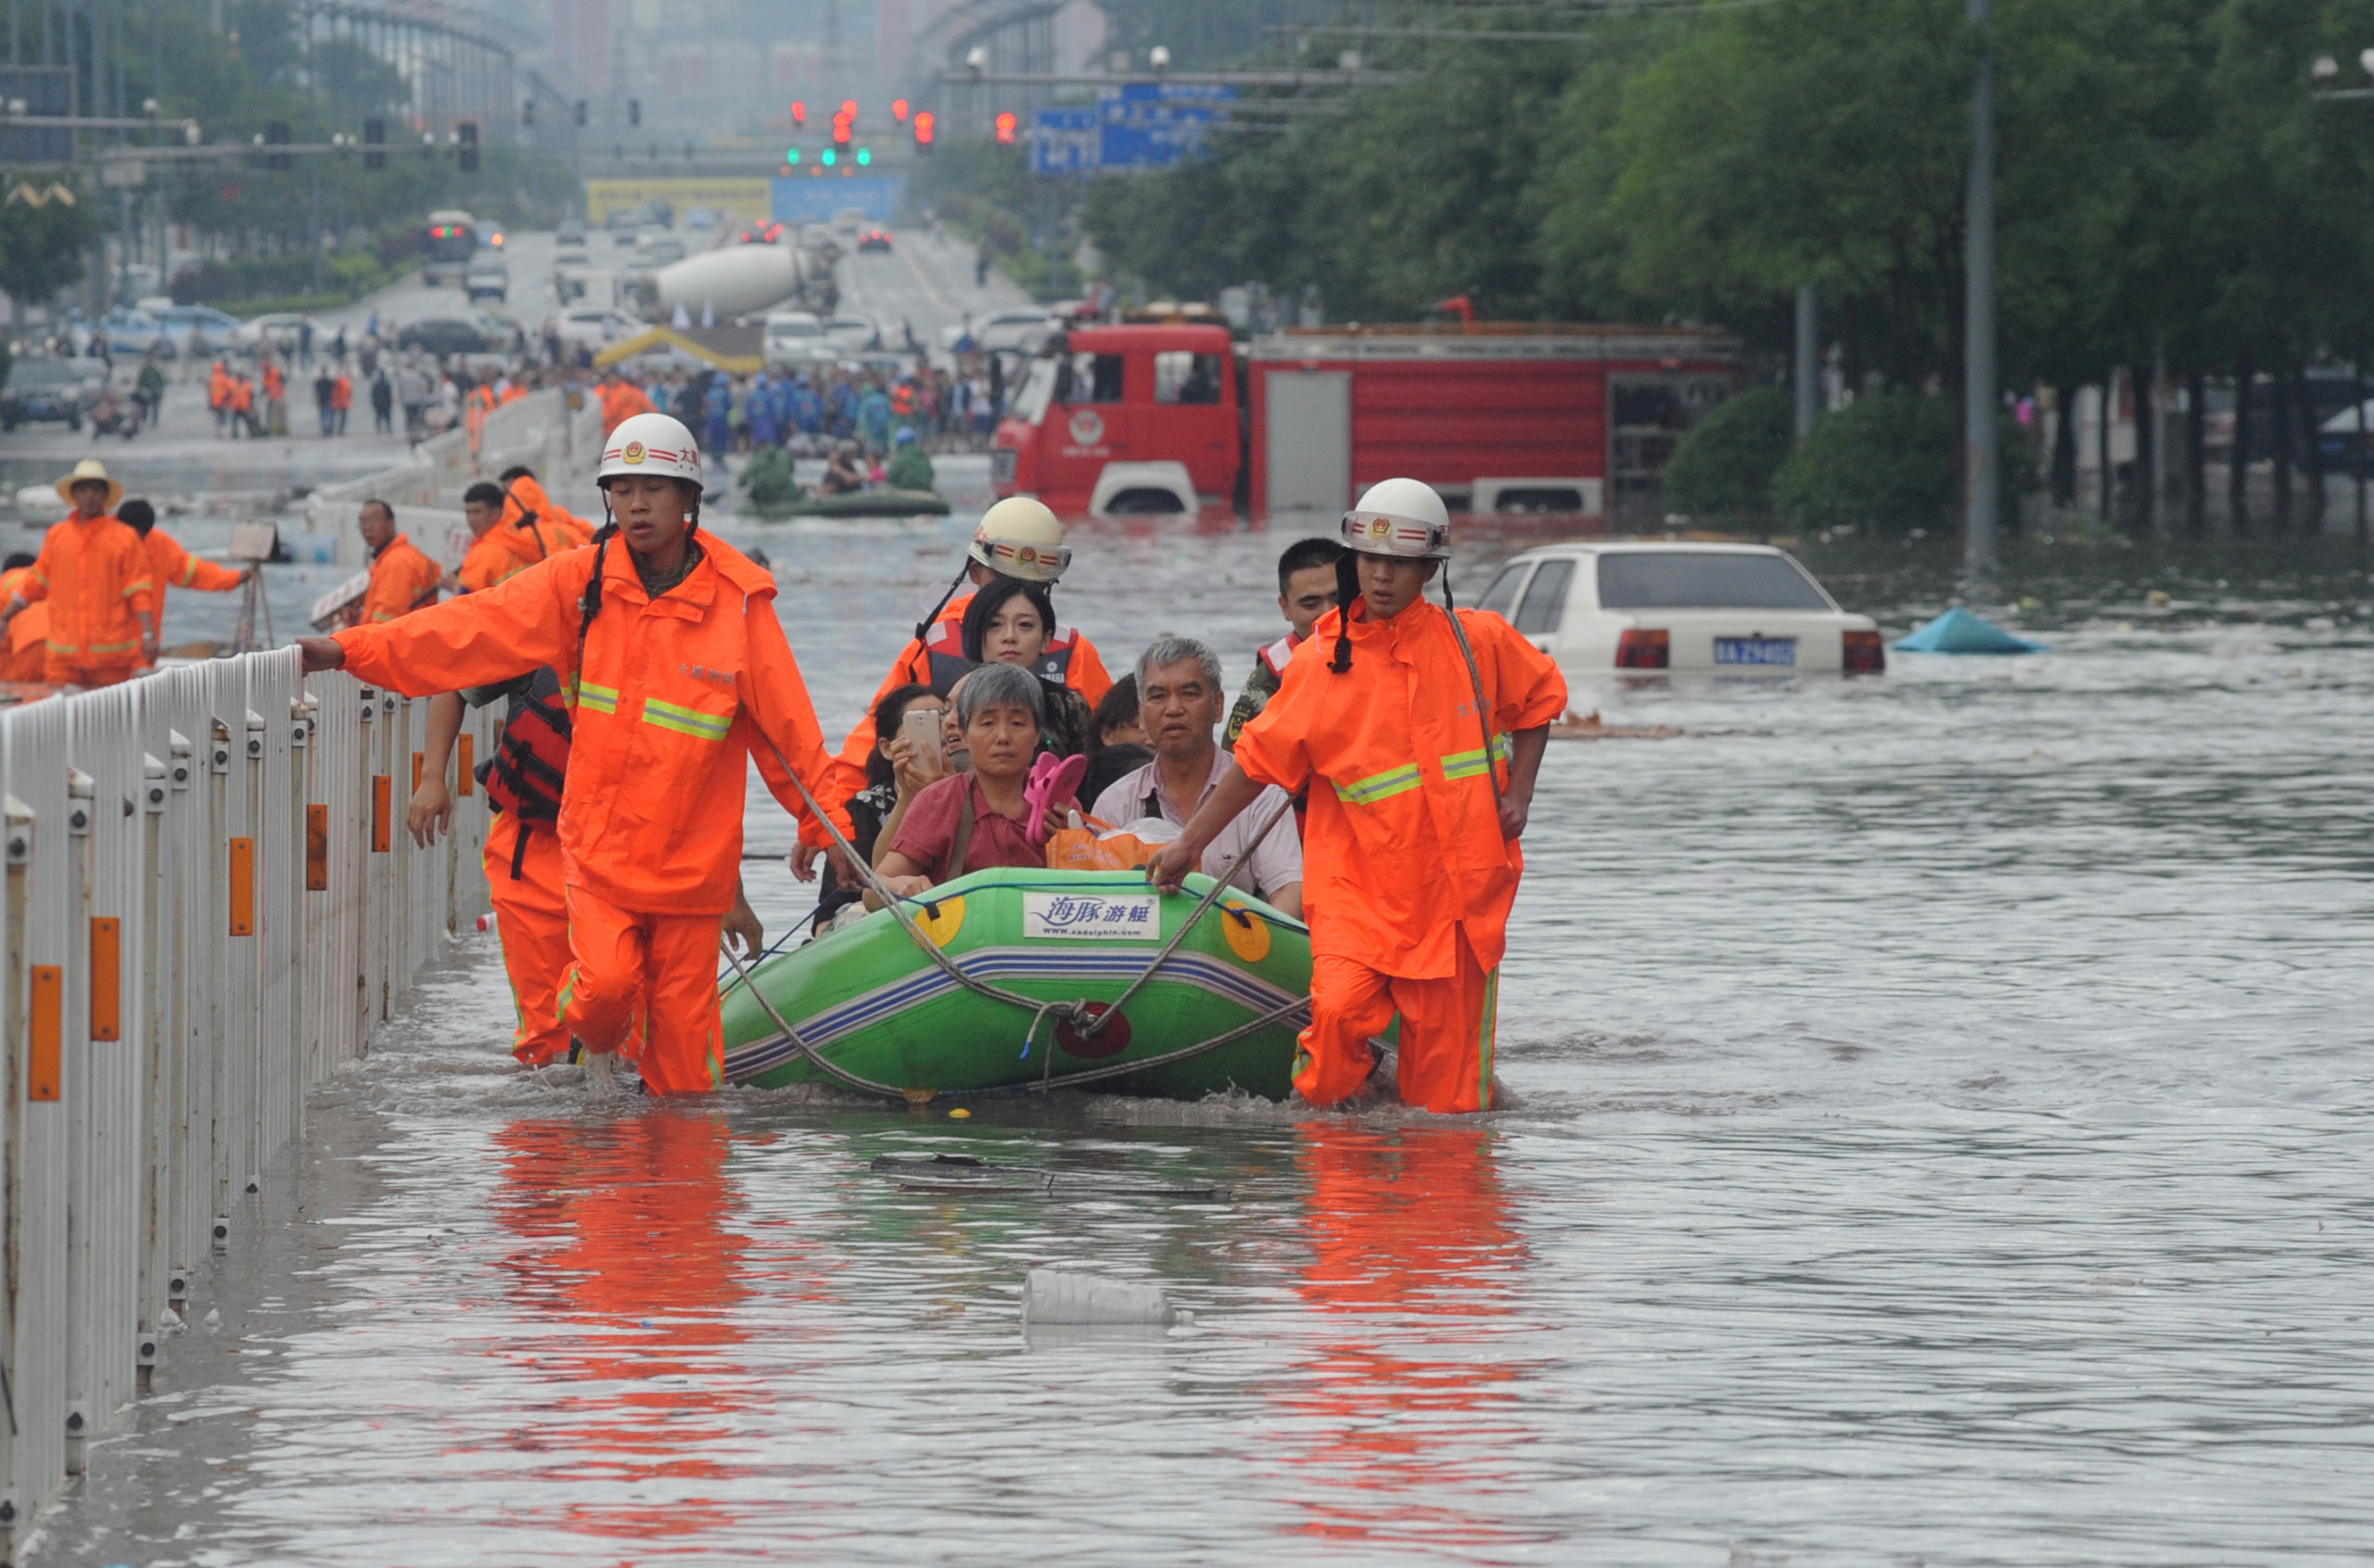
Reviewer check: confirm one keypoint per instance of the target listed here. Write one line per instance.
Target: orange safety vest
(243, 394)
(342, 392)
(674, 698)
(1081, 669)
(218, 386)
(1402, 842)
(93, 575)
(171, 566)
(273, 383)
(402, 581)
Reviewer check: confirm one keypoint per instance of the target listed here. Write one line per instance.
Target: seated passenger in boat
(910, 757)
(1117, 740)
(844, 474)
(1009, 622)
(971, 821)
(1180, 701)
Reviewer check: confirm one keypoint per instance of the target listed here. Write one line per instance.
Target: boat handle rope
(1074, 1011)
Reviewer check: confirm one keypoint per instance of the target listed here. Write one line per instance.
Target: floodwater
(1940, 1135)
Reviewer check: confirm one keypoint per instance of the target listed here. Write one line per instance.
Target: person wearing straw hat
(93, 572)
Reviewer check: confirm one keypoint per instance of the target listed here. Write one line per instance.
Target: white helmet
(650, 443)
(1401, 517)
(1020, 537)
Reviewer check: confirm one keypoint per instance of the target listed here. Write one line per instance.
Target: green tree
(44, 245)
(1722, 470)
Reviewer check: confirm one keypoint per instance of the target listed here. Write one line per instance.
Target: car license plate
(1755, 650)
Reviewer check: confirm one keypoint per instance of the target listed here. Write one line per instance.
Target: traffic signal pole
(1980, 393)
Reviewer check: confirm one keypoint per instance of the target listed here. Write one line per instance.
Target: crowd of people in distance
(815, 413)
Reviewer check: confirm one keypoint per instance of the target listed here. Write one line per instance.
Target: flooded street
(1939, 1135)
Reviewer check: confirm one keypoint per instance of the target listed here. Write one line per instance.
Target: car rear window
(1708, 580)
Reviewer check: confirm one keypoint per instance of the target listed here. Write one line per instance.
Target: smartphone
(921, 726)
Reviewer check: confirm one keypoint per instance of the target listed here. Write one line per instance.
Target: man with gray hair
(1180, 701)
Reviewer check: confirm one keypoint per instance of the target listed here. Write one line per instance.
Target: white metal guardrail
(210, 903)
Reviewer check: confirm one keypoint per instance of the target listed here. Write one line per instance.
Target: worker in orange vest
(171, 566)
(680, 677)
(1018, 537)
(621, 400)
(341, 398)
(275, 399)
(526, 508)
(93, 572)
(22, 655)
(402, 579)
(218, 395)
(474, 408)
(243, 407)
(1419, 736)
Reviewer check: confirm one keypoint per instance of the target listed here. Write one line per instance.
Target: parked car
(1653, 605)
(1018, 331)
(571, 232)
(794, 337)
(42, 389)
(187, 324)
(593, 327)
(441, 336)
(488, 277)
(873, 239)
(279, 332)
(131, 332)
(848, 334)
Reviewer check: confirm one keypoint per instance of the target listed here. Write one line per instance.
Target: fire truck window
(1180, 376)
(1089, 378)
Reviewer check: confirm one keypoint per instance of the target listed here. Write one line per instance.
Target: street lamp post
(1980, 393)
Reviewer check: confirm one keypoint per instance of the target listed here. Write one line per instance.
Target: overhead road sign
(1133, 126)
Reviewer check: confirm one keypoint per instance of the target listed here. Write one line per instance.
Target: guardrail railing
(210, 901)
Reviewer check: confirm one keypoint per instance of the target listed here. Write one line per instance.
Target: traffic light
(469, 132)
(849, 111)
(1007, 125)
(374, 140)
(898, 110)
(791, 157)
(843, 133)
(634, 112)
(925, 124)
(276, 134)
(581, 111)
(864, 157)
(830, 158)
(798, 112)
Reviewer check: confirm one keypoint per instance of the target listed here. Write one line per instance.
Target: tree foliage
(1722, 470)
(41, 245)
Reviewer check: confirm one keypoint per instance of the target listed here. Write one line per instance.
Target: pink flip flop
(1051, 779)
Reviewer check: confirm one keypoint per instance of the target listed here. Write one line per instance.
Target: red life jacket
(948, 664)
(530, 763)
(1277, 654)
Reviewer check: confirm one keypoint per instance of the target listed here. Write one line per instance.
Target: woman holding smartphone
(909, 758)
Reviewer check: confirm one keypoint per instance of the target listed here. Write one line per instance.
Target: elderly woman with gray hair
(972, 821)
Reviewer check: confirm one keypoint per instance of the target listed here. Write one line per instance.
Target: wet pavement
(1939, 1135)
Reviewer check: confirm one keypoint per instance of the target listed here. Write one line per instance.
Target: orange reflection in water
(631, 1215)
(1409, 1414)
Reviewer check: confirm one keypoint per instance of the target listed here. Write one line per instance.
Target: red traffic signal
(1006, 125)
(898, 110)
(849, 109)
(925, 124)
(798, 112)
(841, 132)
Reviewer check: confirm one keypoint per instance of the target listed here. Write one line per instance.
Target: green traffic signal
(830, 158)
(792, 156)
(864, 157)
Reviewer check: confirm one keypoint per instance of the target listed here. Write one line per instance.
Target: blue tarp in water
(1958, 632)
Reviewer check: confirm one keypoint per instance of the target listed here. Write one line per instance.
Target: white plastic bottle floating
(1051, 1298)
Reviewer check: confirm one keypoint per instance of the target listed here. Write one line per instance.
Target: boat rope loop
(1086, 1017)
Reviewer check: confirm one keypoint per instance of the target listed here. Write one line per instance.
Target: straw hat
(90, 468)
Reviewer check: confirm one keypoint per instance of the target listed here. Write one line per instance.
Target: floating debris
(1958, 632)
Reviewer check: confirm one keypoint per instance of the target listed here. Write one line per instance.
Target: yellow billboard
(752, 200)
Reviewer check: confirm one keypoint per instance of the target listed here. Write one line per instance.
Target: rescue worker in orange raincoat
(171, 566)
(1018, 537)
(22, 655)
(527, 508)
(621, 400)
(402, 579)
(1411, 859)
(680, 677)
(93, 572)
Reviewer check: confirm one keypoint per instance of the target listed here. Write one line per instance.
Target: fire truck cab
(1103, 396)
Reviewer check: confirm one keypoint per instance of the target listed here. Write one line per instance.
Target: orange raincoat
(1406, 874)
(528, 512)
(675, 695)
(95, 576)
(621, 400)
(24, 658)
(1083, 673)
(171, 566)
(402, 581)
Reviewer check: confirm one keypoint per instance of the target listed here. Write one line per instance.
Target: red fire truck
(1500, 416)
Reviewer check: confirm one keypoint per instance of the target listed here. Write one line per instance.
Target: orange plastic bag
(1096, 847)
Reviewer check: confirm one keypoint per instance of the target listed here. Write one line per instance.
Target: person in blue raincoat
(873, 419)
(840, 408)
(762, 406)
(720, 437)
(807, 409)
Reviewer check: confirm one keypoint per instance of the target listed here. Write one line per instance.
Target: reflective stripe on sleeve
(1470, 764)
(601, 699)
(687, 721)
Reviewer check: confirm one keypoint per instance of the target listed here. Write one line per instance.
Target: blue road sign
(1138, 125)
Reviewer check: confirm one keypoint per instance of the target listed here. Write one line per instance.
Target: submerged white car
(1744, 609)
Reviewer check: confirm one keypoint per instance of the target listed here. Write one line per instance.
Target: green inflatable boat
(886, 1016)
(858, 504)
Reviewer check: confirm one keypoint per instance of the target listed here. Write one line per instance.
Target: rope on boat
(1084, 1022)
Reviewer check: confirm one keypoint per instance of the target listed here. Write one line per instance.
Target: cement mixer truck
(743, 280)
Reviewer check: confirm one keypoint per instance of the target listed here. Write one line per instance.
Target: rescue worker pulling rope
(677, 664)
(1419, 732)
